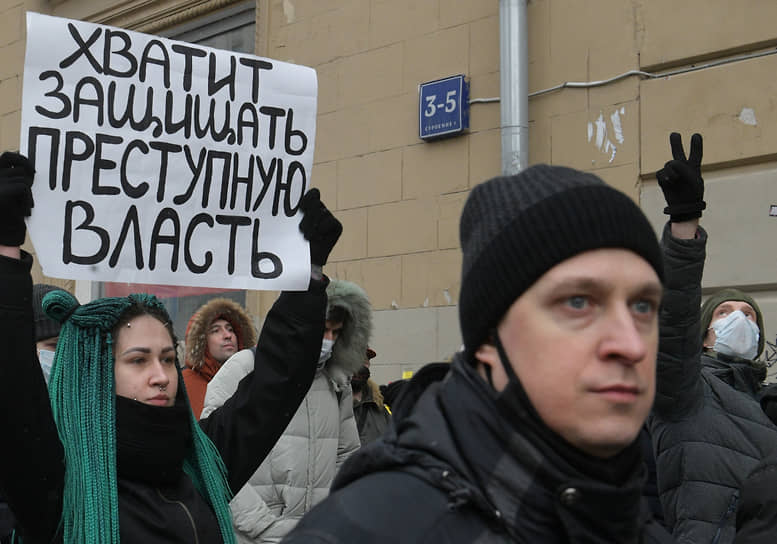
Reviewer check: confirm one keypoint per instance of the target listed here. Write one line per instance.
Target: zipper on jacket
(311, 447)
(186, 511)
(732, 505)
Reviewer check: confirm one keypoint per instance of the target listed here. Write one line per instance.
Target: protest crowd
(596, 398)
(532, 432)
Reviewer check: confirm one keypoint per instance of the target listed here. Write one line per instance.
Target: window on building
(232, 28)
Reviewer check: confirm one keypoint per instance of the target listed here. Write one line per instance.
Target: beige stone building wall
(728, 95)
(399, 198)
(688, 66)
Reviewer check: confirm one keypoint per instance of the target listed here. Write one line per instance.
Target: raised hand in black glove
(319, 226)
(16, 173)
(680, 180)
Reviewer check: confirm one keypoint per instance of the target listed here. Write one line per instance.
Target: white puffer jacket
(297, 473)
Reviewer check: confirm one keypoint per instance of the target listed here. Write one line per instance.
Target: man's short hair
(337, 314)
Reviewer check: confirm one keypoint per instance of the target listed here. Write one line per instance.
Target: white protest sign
(165, 162)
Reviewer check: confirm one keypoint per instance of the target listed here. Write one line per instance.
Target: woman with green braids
(112, 452)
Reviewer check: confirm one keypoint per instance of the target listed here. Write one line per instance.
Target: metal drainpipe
(514, 85)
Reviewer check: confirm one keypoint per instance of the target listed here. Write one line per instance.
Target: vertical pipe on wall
(514, 86)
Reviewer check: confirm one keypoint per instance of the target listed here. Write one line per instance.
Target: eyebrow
(653, 289)
(144, 350)
(648, 288)
(728, 305)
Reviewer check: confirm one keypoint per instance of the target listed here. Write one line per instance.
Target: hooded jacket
(349, 351)
(200, 365)
(298, 472)
(452, 469)
(708, 429)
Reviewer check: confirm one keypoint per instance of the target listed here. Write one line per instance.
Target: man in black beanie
(529, 436)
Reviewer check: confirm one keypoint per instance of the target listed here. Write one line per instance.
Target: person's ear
(709, 339)
(487, 358)
(488, 355)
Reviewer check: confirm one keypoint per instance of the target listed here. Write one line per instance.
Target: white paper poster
(165, 162)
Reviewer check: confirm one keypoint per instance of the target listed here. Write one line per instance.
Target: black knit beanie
(515, 228)
(45, 327)
(716, 299)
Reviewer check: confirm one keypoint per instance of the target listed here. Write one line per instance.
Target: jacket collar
(741, 374)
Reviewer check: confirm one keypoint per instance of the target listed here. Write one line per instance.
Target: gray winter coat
(299, 470)
(297, 473)
(708, 430)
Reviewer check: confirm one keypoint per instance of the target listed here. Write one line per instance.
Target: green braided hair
(82, 390)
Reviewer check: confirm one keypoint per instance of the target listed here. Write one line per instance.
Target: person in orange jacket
(217, 330)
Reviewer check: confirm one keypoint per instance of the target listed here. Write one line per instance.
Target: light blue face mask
(326, 352)
(46, 359)
(736, 335)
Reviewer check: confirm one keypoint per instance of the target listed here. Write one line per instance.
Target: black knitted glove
(16, 173)
(680, 180)
(319, 226)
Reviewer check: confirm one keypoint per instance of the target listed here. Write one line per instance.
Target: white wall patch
(747, 116)
(615, 119)
(601, 131)
(288, 11)
(598, 131)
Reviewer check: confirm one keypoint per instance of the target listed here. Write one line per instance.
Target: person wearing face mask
(297, 473)
(46, 329)
(529, 434)
(708, 429)
(733, 333)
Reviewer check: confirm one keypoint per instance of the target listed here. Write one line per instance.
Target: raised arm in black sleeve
(31, 457)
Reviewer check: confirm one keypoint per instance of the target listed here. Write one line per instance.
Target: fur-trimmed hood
(350, 350)
(197, 329)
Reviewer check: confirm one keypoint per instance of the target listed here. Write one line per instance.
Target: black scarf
(515, 406)
(151, 441)
(526, 484)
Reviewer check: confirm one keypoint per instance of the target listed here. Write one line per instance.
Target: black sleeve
(31, 456)
(678, 371)
(757, 510)
(248, 424)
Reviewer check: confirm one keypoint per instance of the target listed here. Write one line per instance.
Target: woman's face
(145, 367)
